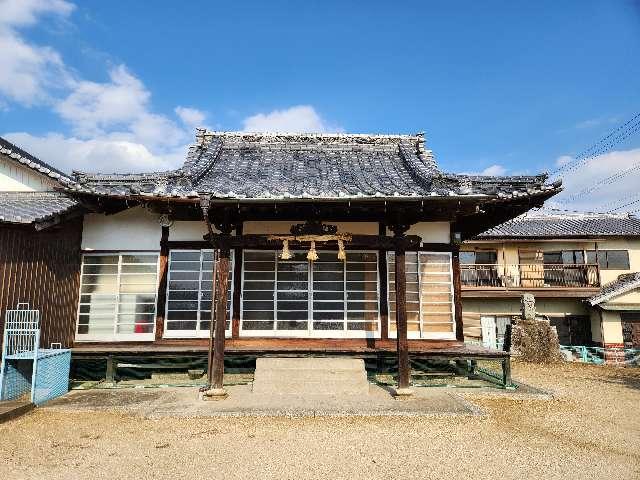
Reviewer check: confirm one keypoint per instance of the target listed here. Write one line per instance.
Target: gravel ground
(591, 429)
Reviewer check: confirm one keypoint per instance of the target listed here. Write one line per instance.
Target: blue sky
(498, 87)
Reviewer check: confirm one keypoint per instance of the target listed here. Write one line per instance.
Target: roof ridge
(203, 133)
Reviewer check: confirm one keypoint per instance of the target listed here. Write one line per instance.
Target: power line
(604, 144)
(613, 204)
(625, 205)
(605, 181)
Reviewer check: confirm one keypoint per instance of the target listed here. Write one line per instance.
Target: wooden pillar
(404, 372)
(457, 293)
(237, 287)
(220, 288)
(402, 344)
(162, 284)
(384, 300)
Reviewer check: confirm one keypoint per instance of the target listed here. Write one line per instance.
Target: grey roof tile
(556, 224)
(29, 207)
(624, 283)
(231, 165)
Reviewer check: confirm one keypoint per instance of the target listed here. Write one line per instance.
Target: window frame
(115, 336)
(605, 265)
(310, 332)
(198, 332)
(421, 335)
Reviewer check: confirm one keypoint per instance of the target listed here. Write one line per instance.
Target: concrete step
(310, 376)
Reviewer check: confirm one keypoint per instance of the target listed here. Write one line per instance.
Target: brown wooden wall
(43, 269)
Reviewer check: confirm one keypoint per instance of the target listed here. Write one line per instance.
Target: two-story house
(581, 267)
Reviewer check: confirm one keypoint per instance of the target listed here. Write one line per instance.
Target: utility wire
(614, 137)
(605, 181)
(625, 205)
(614, 205)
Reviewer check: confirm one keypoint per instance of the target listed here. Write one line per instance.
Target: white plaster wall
(511, 306)
(187, 231)
(430, 232)
(611, 327)
(133, 229)
(284, 227)
(18, 178)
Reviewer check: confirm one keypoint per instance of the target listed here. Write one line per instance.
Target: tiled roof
(624, 283)
(17, 154)
(29, 207)
(555, 224)
(229, 165)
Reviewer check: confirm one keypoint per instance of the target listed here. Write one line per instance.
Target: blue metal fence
(599, 355)
(28, 372)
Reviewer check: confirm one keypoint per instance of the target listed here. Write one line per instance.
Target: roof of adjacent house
(25, 158)
(30, 207)
(538, 224)
(254, 166)
(623, 284)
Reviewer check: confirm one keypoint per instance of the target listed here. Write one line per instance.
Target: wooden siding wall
(43, 269)
(472, 326)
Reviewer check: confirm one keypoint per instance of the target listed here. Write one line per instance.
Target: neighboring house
(40, 234)
(581, 267)
(146, 270)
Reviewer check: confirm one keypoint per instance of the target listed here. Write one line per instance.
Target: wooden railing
(534, 275)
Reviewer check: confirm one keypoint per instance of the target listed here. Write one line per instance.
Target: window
(566, 257)
(609, 259)
(429, 296)
(480, 257)
(189, 289)
(479, 269)
(325, 298)
(118, 296)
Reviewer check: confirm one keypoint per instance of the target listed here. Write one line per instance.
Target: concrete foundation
(310, 376)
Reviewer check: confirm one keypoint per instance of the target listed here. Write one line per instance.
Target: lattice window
(325, 298)
(118, 293)
(189, 289)
(429, 295)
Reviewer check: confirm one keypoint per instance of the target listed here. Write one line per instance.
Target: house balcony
(543, 280)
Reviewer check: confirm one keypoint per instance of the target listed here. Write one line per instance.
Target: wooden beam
(163, 269)
(374, 242)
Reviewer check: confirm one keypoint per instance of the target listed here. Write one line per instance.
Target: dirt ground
(591, 429)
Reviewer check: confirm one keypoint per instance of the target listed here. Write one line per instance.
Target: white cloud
(112, 124)
(29, 71)
(296, 119)
(92, 107)
(191, 117)
(598, 168)
(20, 13)
(104, 155)
(494, 170)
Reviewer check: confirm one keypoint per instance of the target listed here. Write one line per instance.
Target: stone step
(310, 376)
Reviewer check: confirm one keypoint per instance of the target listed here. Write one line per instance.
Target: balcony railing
(535, 275)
